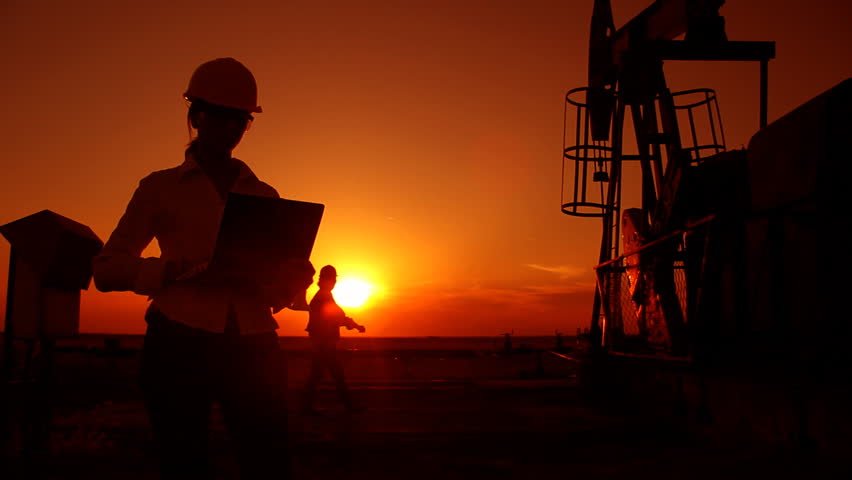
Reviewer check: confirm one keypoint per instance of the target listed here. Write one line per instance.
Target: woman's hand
(291, 280)
(300, 272)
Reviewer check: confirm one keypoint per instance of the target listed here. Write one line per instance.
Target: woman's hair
(194, 107)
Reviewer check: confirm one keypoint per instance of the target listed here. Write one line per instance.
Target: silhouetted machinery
(50, 262)
(725, 260)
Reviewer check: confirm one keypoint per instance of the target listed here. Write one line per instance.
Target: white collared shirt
(181, 208)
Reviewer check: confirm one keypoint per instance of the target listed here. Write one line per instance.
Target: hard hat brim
(256, 109)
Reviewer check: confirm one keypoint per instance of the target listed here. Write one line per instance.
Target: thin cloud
(564, 271)
(463, 311)
(525, 296)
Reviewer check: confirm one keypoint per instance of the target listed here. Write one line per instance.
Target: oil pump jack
(716, 299)
(722, 245)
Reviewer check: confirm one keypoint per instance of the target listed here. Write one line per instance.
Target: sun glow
(352, 292)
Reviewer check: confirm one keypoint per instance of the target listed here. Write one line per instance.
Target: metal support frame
(628, 64)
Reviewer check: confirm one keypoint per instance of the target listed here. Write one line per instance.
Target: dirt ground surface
(458, 413)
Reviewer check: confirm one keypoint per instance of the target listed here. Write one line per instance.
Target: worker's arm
(349, 323)
(120, 266)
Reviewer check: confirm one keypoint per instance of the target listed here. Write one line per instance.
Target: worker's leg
(254, 405)
(175, 384)
(314, 377)
(336, 369)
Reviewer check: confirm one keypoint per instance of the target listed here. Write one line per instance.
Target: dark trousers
(185, 370)
(324, 357)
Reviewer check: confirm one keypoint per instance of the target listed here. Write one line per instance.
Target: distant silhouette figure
(326, 318)
(210, 336)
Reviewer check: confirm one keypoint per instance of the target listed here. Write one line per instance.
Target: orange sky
(431, 131)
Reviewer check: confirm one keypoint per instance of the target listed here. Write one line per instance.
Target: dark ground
(434, 411)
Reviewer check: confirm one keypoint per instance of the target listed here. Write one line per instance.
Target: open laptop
(256, 233)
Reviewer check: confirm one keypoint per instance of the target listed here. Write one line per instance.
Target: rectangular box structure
(50, 262)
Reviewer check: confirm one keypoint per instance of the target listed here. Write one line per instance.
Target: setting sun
(352, 292)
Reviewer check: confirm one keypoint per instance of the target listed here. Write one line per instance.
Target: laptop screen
(257, 233)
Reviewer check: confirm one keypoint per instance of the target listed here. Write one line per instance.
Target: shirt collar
(191, 167)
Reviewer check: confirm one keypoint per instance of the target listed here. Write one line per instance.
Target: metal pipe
(764, 94)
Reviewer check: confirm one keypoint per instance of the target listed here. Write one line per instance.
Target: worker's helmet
(328, 272)
(224, 82)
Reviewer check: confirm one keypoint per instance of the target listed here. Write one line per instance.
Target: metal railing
(627, 323)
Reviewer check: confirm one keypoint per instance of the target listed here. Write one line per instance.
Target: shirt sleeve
(348, 322)
(119, 266)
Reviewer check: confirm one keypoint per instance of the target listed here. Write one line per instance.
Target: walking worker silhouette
(210, 337)
(325, 319)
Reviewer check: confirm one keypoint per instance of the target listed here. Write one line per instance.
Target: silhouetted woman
(209, 337)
